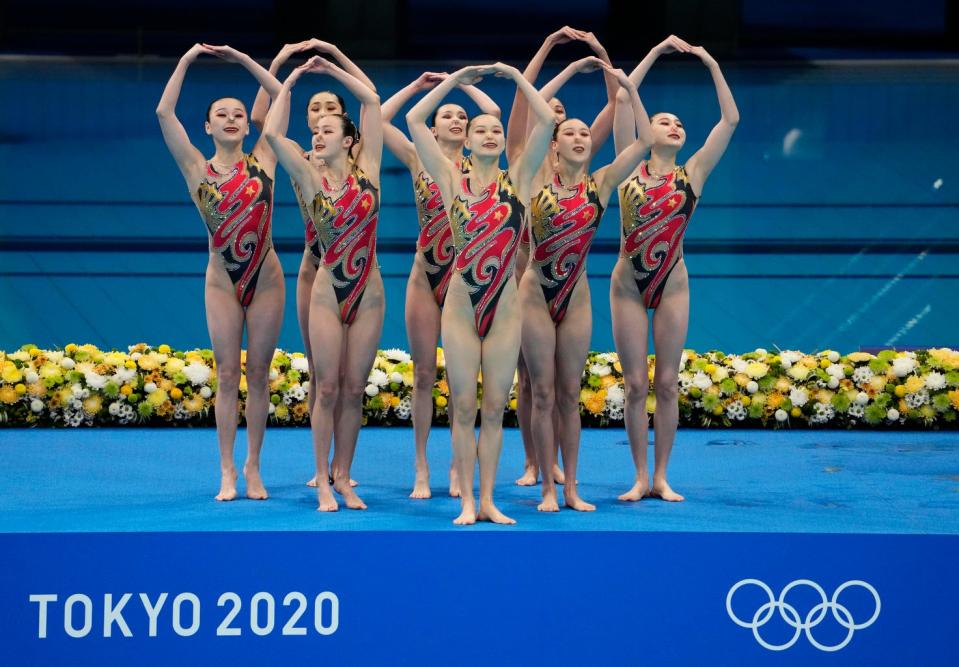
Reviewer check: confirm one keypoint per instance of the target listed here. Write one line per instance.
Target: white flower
(378, 378)
(206, 392)
(862, 375)
(601, 370)
(833, 356)
(150, 387)
(786, 364)
(833, 383)
(95, 380)
(404, 408)
(55, 356)
(685, 381)
(682, 360)
(739, 364)
(396, 377)
(934, 381)
(274, 374)
(791, 356)
(615, 396)
(903, 366)
(823, 413)
(752, 386)
(197, 373)
(397, 355)
(735, 410)
(855, 410)
(114, 408)
(781, 415)
(162, 358)
(702, 381)
(721, 374)
(300, 364)
(917, 399)
(372, 390)
(32, 377)
(761, 351)
(798, 397)
(892, 415)
(124, 375)
(836, 371)
(136, 355)
(36, 405)
(68, 363)
(862, 398)
(298, 392)
(612, 357)
(272, 408)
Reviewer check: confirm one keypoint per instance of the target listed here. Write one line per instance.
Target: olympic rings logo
(792, 617)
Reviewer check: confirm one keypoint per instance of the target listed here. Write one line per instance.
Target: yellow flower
(782, 385)
(282, 412)
(512, 404)
(877, 383)
(759, 398)
(158, 397)
(903, 407)
(795, 412)
(440, 358)
(126, 390)
(243, 385)
(441, 401)
(148, 362)
(176, 393)
(395, 401)
(809, 361)
(824, 363)
(387, 398)
(164, 349)
(651, 404)
(595, 404)
(948, 358)
(130, 363)
(741, 379)
(174, 366)
(443, 387)
(607, 381)
(618, 366)
(165, 409)
(21, 389)
(824, 396)
(745, 401)
(914, 383)
(718, 410)
(301, 411)
(710, 369)
(954, 398)
(756, 370)
(900, 390)
(37, 389)
(775, 400)
(8, 394)
(194, 403)
(798, 372)
(70, 349)
(92, 404)
(11, 373)
(165, 385)
(859, 357)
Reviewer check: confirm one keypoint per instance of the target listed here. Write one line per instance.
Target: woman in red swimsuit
(347, 302)
(515, 143)
(433, 263)
(481, 317)
(233, 191)
(554, 293)
(655, 204)
(320, 104)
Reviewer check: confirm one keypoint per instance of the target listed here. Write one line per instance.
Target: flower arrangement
(82, 385)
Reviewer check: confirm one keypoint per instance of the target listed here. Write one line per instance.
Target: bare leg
(462, 347)
(224, 317)
(362, 337)
(539, 342)
(326, 340)
(422, 330)
(304, 286)
(572, 347)
(670, 322)
(524, 408)
(630, 332)
(264, 317)
(499, 351)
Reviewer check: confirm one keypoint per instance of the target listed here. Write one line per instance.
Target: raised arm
(603, 123)
(519, 112)
(628, 105)
(371, 156)
(523, 171)
(437, 164)
(186, 155)
(261, 105)
(350, 68)
(483, 101)
(287, 151)
(393, 137)
(671, 44)
(587, 64)
(702, 163)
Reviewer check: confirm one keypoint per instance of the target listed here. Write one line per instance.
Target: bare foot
(529, 476)
(559, 476)
(327, 501)
(349, 496)
(663, 491)
(312, 482)
(573, 501)
(227, 485)
(455, 491)
(489, 512)
(467, 516)
(549, 503)
(639, 491)
(254, 483)
(421, 487)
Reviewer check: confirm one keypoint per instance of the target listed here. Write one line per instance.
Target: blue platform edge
(492, 598)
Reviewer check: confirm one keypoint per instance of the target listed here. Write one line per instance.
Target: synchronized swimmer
(499, 269)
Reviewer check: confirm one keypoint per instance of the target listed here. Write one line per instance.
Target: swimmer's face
(573, 142)
(450, 124)
(485, 136)
(227, 121)
(321, 104)
(329, 140)
(559, 111)
(668, 130)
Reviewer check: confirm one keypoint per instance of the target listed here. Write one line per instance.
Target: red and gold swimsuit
(486, 228)
(435, 240)
(311, 237)
(238, 214)
(345, 221)
(655, 218)
(563, 225)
